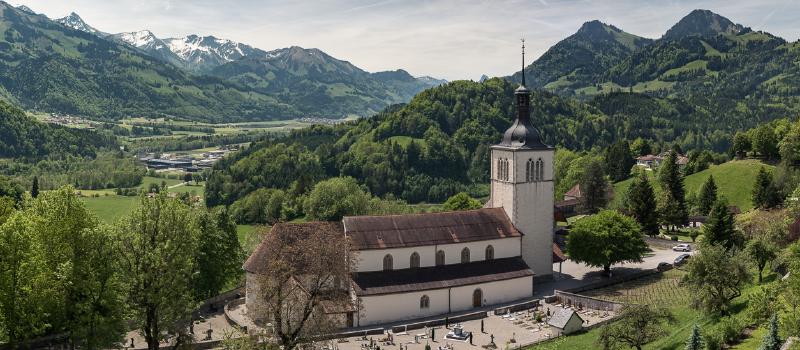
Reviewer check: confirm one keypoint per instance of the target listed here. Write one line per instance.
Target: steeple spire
(522, 134)
(523, 61)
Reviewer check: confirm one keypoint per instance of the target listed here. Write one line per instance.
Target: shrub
(713, 339)
(674, 238)
(730, 329)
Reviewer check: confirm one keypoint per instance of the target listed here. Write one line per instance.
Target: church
(423, 265)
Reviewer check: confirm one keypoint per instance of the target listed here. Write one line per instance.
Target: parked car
(682, 259)
(683, 247)
(664, 266)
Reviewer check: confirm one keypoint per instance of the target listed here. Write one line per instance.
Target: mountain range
(67, 65)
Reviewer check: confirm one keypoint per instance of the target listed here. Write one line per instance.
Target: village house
(654, 161)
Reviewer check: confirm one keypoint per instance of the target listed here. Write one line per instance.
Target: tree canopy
(605, 239)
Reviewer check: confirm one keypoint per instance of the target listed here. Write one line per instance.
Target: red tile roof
(396, 231)
(575, 192)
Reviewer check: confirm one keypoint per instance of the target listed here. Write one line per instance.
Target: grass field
(110, 208)
(658, 290)
(734, 179)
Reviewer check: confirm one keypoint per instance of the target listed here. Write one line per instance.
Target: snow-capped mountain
(76, 22)
(204, 53)
(26, 9)
(146, 41)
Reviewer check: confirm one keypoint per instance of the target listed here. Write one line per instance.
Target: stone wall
(584, 302)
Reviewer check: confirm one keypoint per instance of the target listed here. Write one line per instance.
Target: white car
(683, 247)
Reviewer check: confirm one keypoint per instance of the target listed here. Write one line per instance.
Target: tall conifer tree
(671, 179)
(708, 195)
(641, 204)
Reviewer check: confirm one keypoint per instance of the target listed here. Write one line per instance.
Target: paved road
(574, 275)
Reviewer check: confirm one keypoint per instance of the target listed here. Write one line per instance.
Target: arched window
(414, 260)
(529, 170)
(502, 169)
(540, 169)
(464, 255)
(440, 258)
(489, 252)
(424, 302)
(388, 262)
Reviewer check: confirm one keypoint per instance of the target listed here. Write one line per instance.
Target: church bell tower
(522, 183)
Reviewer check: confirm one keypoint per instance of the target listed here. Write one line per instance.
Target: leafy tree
(187, 177)
(761, 251)
(618, 161)
(23, 283)
(332, 199)
(10, 189)
(219, 254)
(158, 241)
(741, 143)
(35, 187)
(764, 141)
(695, 341)
(295, 309)
(720, 229)
(772, 340)
(264, 205)
(461, 201)
(716, 276)
(765, 194)
(636, 326)
(764, 303)
(594, 188)
(641, 204)
(640, 147)
(604, 239)
(90, 292)
(673, 202)
(708, 195)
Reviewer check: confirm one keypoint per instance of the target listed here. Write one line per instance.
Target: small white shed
(565, 321)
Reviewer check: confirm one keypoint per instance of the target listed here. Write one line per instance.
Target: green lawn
(147, 180)
(734, 179)
(110, 208)
(250, 236)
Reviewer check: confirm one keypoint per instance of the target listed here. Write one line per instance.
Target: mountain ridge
(68, 66)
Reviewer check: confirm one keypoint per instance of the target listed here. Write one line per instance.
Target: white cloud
(443, 38)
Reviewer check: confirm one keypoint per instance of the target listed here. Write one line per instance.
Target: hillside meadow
(734, 179)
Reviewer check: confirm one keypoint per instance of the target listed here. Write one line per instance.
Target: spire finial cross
(523, 61)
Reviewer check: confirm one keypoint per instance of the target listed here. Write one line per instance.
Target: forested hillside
(23, 137)
(576, 60)
(317, 84)
(437, 145)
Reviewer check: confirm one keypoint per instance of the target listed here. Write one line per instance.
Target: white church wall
(493, 293)
(372, 260)
(405, 306)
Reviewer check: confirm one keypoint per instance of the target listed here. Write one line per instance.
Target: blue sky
(442, 38)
